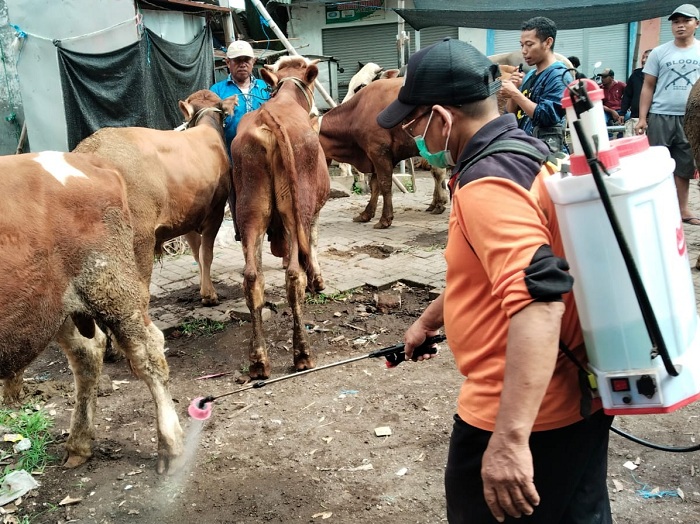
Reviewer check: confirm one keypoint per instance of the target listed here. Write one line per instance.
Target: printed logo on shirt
(682, 69)
(520, 114)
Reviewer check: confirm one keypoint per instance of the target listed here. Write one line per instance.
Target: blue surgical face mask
(441, 159)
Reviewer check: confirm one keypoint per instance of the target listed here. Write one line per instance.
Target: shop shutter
(431, 35)
(369, 43)
(665, 34)
(607, 44)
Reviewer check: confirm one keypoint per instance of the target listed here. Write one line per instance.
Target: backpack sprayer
(200, 408)
(636, 303)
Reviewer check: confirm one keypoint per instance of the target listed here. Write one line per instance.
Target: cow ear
(229, 104)
(311, 73)
(186, 109)
(390, 73)
(268, 76)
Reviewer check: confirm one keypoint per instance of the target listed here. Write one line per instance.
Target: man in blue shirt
(535, 98)
(252, 92)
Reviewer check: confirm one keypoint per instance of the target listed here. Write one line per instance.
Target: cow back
(173, 177)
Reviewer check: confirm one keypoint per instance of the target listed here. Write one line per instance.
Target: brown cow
(350, 133)
(177, 183)
(281, 182)
(67, 258)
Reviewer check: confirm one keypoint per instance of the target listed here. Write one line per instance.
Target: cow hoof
(259, 371)
(302, 364)
(430, 208)
(74, 460)
(316, 285)
(210, 301)
(382, 224)
(361, 218)
(438, 210)
(169, 465)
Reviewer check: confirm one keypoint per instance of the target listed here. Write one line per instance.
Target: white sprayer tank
(643, 194)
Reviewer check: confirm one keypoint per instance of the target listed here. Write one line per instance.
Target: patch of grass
(322, 298)
(34, 424)
(201, 327)
(357, 190)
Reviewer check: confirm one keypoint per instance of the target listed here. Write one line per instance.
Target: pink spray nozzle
(200, 408)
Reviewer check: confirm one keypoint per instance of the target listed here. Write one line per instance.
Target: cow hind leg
(143, 346)
(85, 358)
(254, 291)
(296, 293)
(371, 208)
(315, 281)
(112, 288)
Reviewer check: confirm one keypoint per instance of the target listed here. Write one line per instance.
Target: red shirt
(613, 95)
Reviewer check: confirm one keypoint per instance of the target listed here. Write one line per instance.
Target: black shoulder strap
(507, 145)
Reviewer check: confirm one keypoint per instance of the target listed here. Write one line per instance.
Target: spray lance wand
(200, 408)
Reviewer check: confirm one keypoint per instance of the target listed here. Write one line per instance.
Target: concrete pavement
(351, 255)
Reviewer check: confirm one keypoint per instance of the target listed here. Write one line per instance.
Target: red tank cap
(594, 91)
(609, 158)
(630, 145)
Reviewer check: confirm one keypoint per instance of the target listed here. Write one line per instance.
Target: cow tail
(285, 148)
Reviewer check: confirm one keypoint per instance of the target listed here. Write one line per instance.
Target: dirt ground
(305, 449)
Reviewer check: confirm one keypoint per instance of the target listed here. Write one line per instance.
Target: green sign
(342, 12)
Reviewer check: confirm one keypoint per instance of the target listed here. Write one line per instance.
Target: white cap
(239, 48)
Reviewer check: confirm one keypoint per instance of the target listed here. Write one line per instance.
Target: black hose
(652, 445)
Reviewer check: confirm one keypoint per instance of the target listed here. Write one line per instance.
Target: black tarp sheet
(510, 14)
(138, 85)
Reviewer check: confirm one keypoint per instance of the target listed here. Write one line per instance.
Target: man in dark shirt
(630, 97)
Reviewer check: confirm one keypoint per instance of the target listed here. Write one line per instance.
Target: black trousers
(570, 466)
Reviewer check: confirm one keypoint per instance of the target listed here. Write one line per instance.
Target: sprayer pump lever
(395, 355)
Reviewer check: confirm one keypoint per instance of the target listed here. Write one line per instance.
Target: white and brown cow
(67, 258)
(177, 183)
(281, 182)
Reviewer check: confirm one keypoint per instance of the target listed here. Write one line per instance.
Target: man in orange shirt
(519, 445)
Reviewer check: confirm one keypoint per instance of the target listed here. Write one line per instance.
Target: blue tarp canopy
(510, 14)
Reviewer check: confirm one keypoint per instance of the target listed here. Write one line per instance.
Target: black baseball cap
(451, 73)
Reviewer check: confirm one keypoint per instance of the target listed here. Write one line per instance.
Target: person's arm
(531, 354)
(614, 115)
(645, 98)
(515, 99)
(425, 326)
